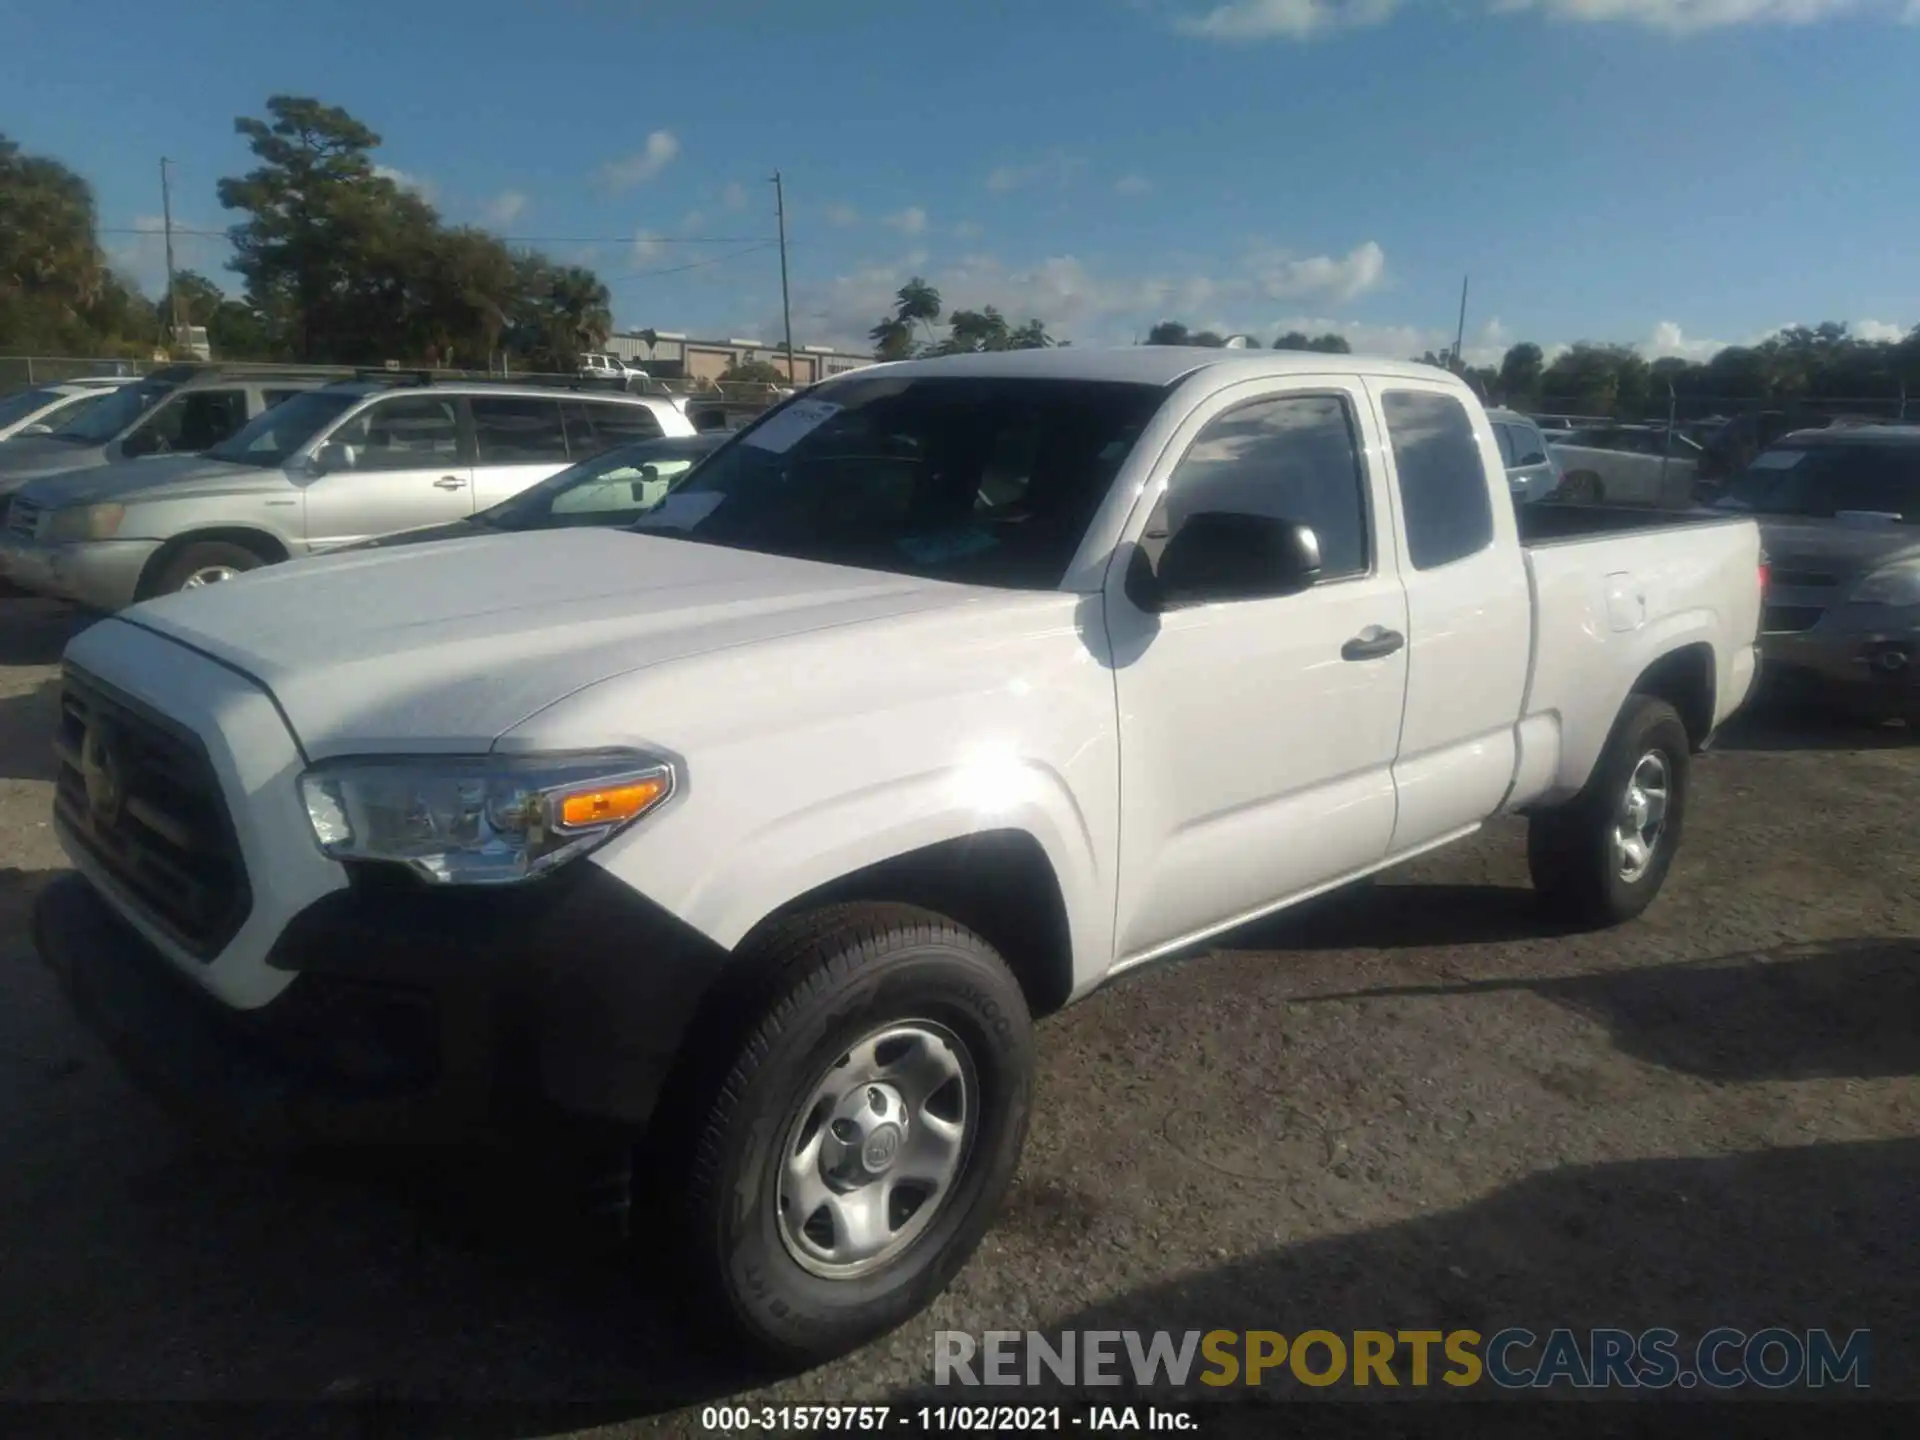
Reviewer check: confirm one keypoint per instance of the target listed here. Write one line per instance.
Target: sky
(1673, 174)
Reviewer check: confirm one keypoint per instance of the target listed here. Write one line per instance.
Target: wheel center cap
(881, 1149)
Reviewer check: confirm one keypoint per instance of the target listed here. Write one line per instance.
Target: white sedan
(1627, 465)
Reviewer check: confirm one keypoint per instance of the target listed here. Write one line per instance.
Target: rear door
(596, 426)
(519, 440)
(1469, 610)
(397, 464)
(1258, 736)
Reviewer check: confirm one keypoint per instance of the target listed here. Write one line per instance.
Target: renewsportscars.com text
(1515, 1358)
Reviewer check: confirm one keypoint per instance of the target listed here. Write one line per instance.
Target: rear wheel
(854, 1154)
(1582, 487)
(204, 563)
(1601, 858)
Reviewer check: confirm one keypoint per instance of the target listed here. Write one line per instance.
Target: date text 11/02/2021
(939, 1419)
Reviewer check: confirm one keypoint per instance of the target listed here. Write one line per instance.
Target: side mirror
(35, 430)
(1220, 555)
(645, 488)
(334, 456)
(141, 442)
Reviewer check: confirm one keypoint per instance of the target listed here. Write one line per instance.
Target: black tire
(204, 555)
(1570, 849)
(839, 975)
(1583, 487)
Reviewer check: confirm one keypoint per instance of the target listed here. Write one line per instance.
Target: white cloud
(691, 222)
(1243, 20)
(1484, 346)
(1284, 277)
(504, 208)
(645, 164)
(842, 215)
(1669, 341)
(406, 180)
(646, 246)
(198, 245)
(970, 229)
(734, 197)
(910, 221)
(1288, 19)
(1133, 185)
(1082, 304)
(1880, 329)
(1055, 167)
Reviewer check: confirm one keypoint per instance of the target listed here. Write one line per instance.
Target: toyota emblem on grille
(100, 773)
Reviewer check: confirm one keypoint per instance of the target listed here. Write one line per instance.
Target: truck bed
(1614, 590)
(1559, 524)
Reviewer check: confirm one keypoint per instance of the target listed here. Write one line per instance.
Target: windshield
(613, 488)
(273, 435)
(21, 404)
(1821, 481)
(975, 480)
(97, 424)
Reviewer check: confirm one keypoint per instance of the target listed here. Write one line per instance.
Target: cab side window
(1443, 481)
(1291, 458)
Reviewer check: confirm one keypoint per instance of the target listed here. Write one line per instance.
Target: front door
(398, 464)
(519, 441)
(1257, 741)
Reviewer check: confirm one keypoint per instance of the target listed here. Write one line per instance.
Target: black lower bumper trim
(412, 1014)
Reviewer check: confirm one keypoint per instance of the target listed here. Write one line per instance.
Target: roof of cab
(1149, 364)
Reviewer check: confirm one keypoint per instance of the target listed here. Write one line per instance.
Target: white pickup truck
(757, 837)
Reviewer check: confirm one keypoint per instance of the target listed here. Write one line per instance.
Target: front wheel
(856, 1152)
(1601, 858)
(203, 563)
(1582, 487)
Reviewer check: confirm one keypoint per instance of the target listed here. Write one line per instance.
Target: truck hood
(447, 647)
(1833, 547)
(179, 474)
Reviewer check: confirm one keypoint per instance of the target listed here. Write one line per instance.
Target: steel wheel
(1642, 816)
(873, 1151)
(208, 575)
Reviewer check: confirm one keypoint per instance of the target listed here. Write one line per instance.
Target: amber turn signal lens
(611, 805)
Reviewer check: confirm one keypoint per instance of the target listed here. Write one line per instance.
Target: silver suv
(177, 410)
(338, 464)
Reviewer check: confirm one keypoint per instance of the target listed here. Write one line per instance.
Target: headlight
(1896, 584)
(82, 522)
(480, 820)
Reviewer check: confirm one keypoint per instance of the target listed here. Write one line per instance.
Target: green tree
(1293, 340)
(1207, 339)
(1520, 371)
(916, 303)
(1329, 344)
(759, 372)
(1168, 332)
(51, 269)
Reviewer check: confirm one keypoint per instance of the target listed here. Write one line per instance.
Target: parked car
(177, 410)
(1839, 513)
(331, 466)
(1627, 465)
(43, 409)
(615, 488)
(943, 694)
(612, 370)
(1532, 472)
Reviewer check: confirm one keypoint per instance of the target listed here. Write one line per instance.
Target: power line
(695, 265)
(508, 239)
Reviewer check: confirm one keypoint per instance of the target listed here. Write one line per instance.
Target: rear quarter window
(1443, 480)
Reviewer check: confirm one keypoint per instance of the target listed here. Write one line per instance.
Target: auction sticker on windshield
(792, 425)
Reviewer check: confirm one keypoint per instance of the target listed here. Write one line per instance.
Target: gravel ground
(1410, 1107)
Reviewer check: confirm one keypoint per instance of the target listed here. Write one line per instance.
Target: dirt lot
(1411, 1107)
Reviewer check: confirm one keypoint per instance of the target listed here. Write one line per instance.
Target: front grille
(1802, 579)
(139, 794)
(1789, 619)
(22, 517)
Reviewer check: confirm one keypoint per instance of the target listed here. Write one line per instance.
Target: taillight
(1763, 575)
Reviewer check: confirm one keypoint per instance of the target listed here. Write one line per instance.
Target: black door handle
(1373, 643)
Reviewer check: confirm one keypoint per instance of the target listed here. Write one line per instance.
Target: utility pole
(1460, 335)
(786, 304)
(166, 213)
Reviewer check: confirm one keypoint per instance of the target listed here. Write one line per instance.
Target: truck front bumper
(102, 575)
(413, 1016)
